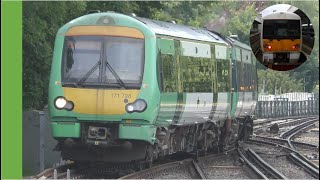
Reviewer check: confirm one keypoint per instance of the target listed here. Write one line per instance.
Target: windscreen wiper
(72, 84)
(86, 76)
(115, 75)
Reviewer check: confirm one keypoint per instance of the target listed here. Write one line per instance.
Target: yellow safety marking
(128, 121)
(105, 31)
(283, 45)
(99, 101)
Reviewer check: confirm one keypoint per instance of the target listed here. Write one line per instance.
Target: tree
(140, 8)
(276, 81)
(41, 21)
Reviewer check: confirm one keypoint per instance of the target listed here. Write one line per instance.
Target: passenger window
(223, 75)
(196, 74)
(168, 73)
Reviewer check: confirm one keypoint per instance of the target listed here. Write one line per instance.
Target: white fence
(295, 96)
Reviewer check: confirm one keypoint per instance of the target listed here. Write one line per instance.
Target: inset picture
(282, 37)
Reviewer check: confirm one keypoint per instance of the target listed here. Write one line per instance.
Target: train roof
(281, 15)
(182, 31)
(235, 42)
(157, 27)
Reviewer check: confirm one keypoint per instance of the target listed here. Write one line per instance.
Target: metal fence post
(42, 136)
(55, 174)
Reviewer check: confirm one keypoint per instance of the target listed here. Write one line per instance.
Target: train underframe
(281, 57)
(198, 139)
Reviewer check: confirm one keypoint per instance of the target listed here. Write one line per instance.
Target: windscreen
(281, 29)
(103, 61)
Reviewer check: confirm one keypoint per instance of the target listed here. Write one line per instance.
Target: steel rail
(272, 144)
(263, 164)
(289, 138)
(254, 168)
(309, 168)
(285, 141)
(301, 160)
(163, 167)
(292, 130)
(287, 148)
(148, 172)
(199, 170)
(292, 121)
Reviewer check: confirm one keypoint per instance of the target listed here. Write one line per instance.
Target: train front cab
(281, 38)
(106, 98)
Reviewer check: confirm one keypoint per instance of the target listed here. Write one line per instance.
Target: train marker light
(267, 46)
(69, 106)
(130, 108)
(295, 46)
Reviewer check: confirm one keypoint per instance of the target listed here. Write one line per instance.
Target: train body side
(194, 81)
(244, 80)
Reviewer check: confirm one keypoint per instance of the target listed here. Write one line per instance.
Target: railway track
(297, 157)
(199, 171)
(86, 171)
(294, 155)
(294, 131)
(305, 164)
(51, 173)
(190, 168)
(284, 141)
(260, 174)
(269, 171)
(307, 45)
(193, 169)
(258, 127)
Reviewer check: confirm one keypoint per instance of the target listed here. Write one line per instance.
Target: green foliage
(275, 82)
(140, 8)
(310, 69)
(316, 88)
(41, 21)
(192, 13)
(240, 21)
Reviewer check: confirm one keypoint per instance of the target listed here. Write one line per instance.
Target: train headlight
(139, 105)
(62, 103)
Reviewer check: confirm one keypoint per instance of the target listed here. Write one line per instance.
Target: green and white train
(125, 88)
